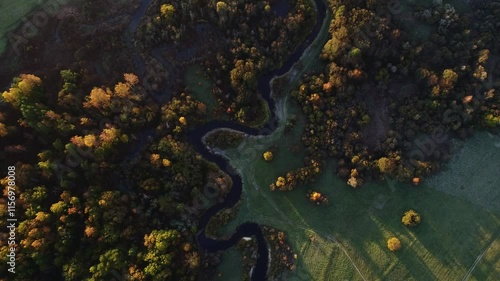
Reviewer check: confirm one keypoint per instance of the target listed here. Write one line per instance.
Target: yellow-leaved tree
(268, 156)
(393, 244)
(98, 98)
(411, 218)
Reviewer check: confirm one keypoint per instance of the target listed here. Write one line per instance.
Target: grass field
(200, 87)
(231, 269)
(473, 172)
(489, 263)
(351, 232)
(12, 12)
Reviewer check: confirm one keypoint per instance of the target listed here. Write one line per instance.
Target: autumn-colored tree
(268, 156)
(411, 218)
(90, 140)
(98, 98)
(183, 120)
(90, 231)
(317, 197)
(280, 182)
(122, 90)
(448, 80)
(26, 95)
(385, 165)
(393, 244)
(3, 130)
(131, 79)
(221, 6)
(167, 11)
(243, 78)
(492, 120)
(353, 182)
(22, 88)
(109, 135)
(155, 159)
(166, 163)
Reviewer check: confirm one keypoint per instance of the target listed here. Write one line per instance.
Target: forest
(95, 116)
(105, 177)
(387, 103)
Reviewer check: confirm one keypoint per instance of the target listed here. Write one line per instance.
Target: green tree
(162, 247)
(111, 260)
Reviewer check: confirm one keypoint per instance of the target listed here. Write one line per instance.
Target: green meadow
(346, 240)
(12, 12)
(200, 87)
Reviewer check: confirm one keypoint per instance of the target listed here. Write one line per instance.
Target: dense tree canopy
(83, 203)
(381, 87)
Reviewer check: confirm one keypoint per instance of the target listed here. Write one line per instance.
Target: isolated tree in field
(411, 218)
(280, 182)
(393, 244)
(268, 156)
(317, 197)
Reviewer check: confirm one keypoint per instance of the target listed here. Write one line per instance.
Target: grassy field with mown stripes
(346, 240)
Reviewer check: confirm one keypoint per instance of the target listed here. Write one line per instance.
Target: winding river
(195, 136)
(248, 229)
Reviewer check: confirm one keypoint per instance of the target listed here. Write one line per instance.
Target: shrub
(317, 197)
(411, 218)
(393, 244)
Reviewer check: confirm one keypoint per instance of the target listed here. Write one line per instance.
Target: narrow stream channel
(247, 229)
(195, 136)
